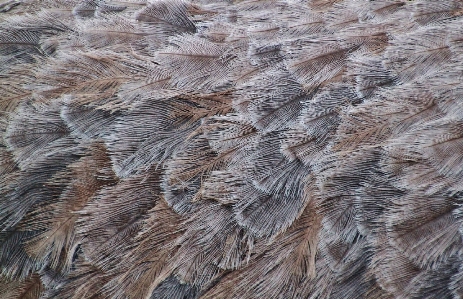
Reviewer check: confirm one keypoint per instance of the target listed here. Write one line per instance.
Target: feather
(318, 62)
(85, 8)
(428, 284)
(166, 18)
(370, 75)
(85, 122)
(414, 173)
(196, 62)
(86, 281)
(31, 185)
(112, 32)
(441, 150)
(382, 10)
(33, 134)
(367, 38)
(373, 206)
(91, 77)
(318, 122)
(230, 149)
(341, 15)
(256, 5)
(16, 264)
(8, 5)
(322, 4)
(101, 230)
(385, 119)
(407, 218)
(431, 12)
(11, 91)
(18, 43)
(155, 85)
(265, 54)
(172, 288)
(303, 24)
(282, 200)
(226, 245)
(56, 241)
(339, 203)
(455, 283)
(350, 279)
(413, 57)
(186, 170)
(435, 151)
(391, 268)
(281, 268)
(274, 100)
(31, 288)
(145, 268)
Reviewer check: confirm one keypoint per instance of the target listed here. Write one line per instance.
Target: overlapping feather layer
(231, 149)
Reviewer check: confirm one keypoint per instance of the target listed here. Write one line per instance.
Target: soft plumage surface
(231, 149)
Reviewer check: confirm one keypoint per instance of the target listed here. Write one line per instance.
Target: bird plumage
(231, 149)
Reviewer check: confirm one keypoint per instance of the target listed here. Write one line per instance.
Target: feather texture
(231, 149)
